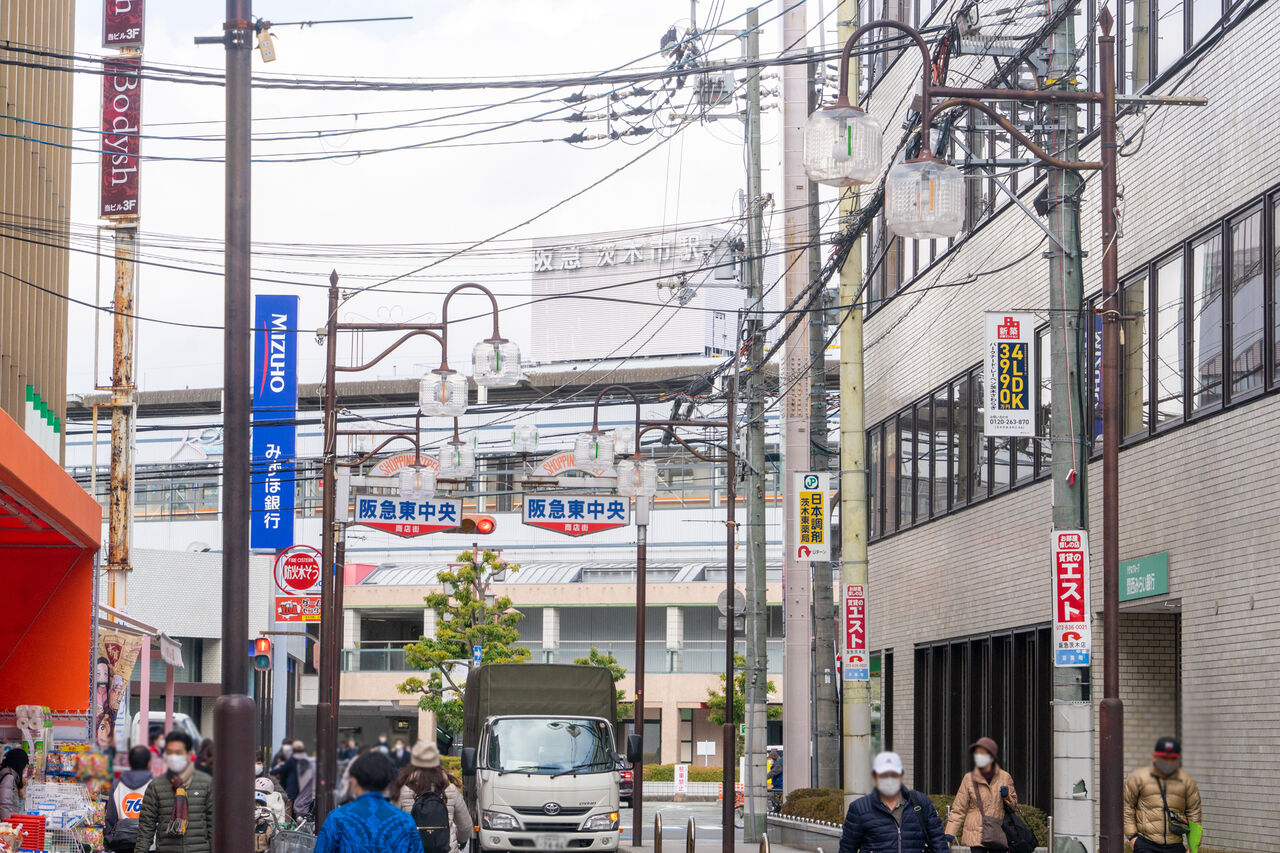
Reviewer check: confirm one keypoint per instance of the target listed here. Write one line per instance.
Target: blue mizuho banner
(275, 408)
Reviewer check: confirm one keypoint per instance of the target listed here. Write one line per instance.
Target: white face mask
(176, 762)
(889, 785)
(257, 769)
(286, 751)
(1168, 768)
(981, 760)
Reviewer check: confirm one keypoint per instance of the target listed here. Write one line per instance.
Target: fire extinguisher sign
(1071, 632)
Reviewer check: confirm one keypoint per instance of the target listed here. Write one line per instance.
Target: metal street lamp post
(443, 392)
(924, 197)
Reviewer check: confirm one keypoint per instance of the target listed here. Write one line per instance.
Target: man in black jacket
(892, 819)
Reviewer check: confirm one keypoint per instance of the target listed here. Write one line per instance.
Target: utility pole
(797, 689)
(757, 615)
(855, 706)
(1072, 717)
(330, 580)
(233, 711)
(826, 745)
(729, 735)
(120, 495)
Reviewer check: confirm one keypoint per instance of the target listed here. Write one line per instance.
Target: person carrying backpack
(124, 805)
(436, 805)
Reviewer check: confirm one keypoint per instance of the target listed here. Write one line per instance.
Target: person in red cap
(984, 791)
(1160, 801)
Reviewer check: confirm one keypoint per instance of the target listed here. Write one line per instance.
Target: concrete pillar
(350, 628)
(675, 638)
(670, 728)
(429, 618)
(550, 634)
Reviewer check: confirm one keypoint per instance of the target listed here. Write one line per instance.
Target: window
(874, 491)
(1275, 286)
(906, 468)
(1133, 368)
(1204, 14)
(1247, 305)
(1205, 329)
(1170, 37)
(923, 436)
(1044, 425)
(961, 444)
(892, 475)
(1167, 333)
(1137, 44)
(941, 451)
(980, 476)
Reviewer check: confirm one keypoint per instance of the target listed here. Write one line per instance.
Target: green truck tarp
(536, 689)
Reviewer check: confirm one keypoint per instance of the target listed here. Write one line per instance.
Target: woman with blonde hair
(424, 789)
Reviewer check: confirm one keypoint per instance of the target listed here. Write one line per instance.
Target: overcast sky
(432, 195)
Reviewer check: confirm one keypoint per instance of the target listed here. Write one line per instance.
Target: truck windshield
(549, 746)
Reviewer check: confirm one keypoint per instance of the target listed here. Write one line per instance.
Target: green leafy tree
(609, 662)
(715, 699)
(466, 616)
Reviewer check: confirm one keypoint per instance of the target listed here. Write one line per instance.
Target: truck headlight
(499, 821)
(601, 822)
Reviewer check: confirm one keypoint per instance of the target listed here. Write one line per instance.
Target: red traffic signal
(481, 525)
(262, 654)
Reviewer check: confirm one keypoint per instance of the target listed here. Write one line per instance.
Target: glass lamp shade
(457, 460)
(524, 438)
(924, 199)
(593, 452)
(443, 394)
(496, 364)
(842, 147)
(624, 440)
(637, 478)
(417, 483)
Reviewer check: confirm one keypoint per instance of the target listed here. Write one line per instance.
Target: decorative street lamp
(524, 438)
(495, 363)
(443, 393)
(457, 458)
(842, 145)
(637, 478)
(417, 482)
(593, 451)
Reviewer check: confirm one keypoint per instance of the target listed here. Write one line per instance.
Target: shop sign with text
(1071, 624)
(1144, 577)
(121, 116)
(297, 608)
(1010, 363)
(576, 515)
(122, 23)
(406, 517)
(810, 537)
(857, 663)
(297, 570)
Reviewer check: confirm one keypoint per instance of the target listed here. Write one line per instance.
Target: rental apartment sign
(1072, 641)
(1009, 362)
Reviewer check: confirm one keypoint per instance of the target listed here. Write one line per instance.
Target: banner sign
(297, 570)
(121, 116)
(809, 534)
(297, 608)
(857, 663)
(1071, 633)
(275, 408)
(576, 515)
(122, 23)
(563, 463)
(393, 465)
(408, 518)
(117, 653)
(1010, 364)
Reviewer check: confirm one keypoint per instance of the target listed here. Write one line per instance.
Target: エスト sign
(408, 518)
(857, 665)
(1071, 633)
(121, 115)
(576, 515)
(1009, 364)
(122, 23)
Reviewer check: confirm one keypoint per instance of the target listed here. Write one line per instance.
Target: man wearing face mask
(177, 809)
(892, 818)
(1160, 801)
(286, 772)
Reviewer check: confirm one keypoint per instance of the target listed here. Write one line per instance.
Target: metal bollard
(764, 843)
(691, 838)
(657, 833)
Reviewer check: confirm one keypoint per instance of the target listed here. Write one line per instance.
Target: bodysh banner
(275, 408)
(121, 117)
(122, 23)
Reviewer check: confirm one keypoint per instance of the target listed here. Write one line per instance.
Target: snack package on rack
(10, 838)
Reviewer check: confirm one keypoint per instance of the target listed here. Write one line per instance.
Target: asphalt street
(675, 821)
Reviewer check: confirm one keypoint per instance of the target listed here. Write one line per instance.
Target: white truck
(539, 763)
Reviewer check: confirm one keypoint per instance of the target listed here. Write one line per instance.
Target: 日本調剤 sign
(576, 515)
(810, 538)
(408, 517)
(1071, 625)
(1009, 365)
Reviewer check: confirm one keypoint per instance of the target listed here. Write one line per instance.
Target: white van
(181, 722)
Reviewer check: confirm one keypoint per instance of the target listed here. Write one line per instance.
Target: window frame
(1257, 208)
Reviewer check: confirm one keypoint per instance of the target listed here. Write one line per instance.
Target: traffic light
(262, 654)
(481, 525)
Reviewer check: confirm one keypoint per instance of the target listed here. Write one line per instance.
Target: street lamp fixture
(924, 199)
(637, 478)
(524, 438)
(842, 145)
(443, 393)
(457, 459)
(417, 483)
(593, 451)
(495, 363)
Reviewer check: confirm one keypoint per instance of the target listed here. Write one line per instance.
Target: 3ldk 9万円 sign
(1071, 632)
(1009, 365)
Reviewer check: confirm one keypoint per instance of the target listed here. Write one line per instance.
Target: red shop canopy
(49, 531)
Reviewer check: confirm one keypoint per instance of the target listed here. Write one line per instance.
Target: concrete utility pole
(757, 612)
(1072, 717)
(797, 695)
(120, 495)
(826, 727)
(855, 710)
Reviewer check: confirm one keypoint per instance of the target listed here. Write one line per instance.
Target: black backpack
(431, 815)
(1021, 838)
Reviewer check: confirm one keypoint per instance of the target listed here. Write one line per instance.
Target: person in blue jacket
(369, 823)
(892, 818)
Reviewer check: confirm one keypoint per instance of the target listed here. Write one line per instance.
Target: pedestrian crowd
(1161, 809)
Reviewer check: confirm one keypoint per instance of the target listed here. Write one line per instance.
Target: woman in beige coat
(992, 784)
(422, 775)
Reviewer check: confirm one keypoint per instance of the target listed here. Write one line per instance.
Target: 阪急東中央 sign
(576, 515)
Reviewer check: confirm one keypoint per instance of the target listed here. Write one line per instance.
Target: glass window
(1167, 334)
(1206, 327)
(941, 450)
(1204, 14)
(1044, 426)
(962, 446)
(874, 508)
(981, 477)
(892, 473)
(1247, 308)
(1135, 416)
(1275, 283)
(907, 468)
(1170, 35)
(924, 461)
